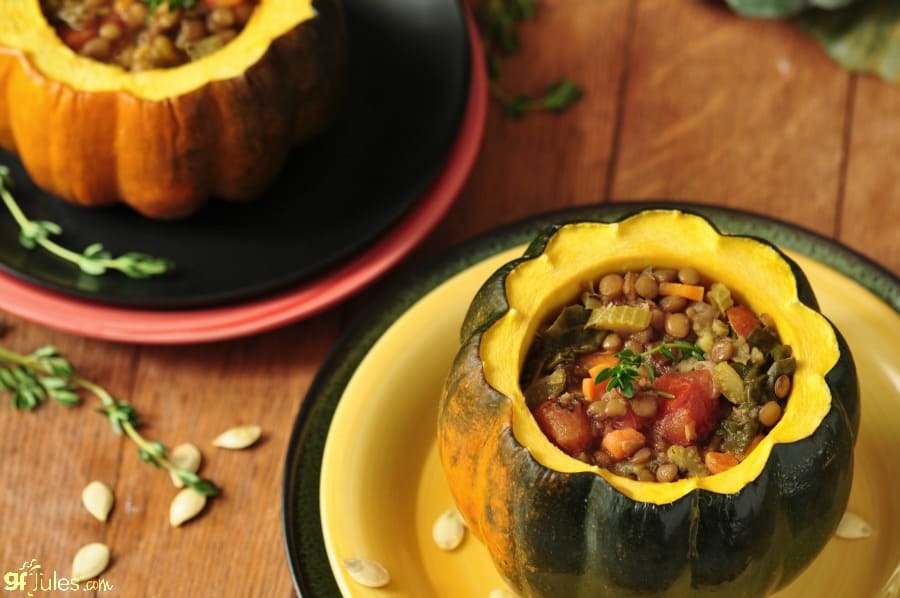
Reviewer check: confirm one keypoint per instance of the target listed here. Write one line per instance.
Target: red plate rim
(204, 325)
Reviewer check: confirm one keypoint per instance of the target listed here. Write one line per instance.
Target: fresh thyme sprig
(94, 260)
(623, 374)
(498, 20)
(173, 4)
(33, 378)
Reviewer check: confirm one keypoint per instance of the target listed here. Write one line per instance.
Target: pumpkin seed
(367, 572)
(90, 561)
(186, 505)
(500, 593)
(891, 588)
(853, 527)
(448, 530)
(187, 457)
(238, 438)
(97, 499)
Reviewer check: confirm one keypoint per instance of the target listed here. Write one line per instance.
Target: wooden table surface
(682, 101)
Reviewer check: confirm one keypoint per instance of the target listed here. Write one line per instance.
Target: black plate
(409, 80)
(301, 519)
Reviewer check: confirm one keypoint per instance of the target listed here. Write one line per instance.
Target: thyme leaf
(94, 260)
(623, 374)
(30, 379)
(498, 19)
(173, 4)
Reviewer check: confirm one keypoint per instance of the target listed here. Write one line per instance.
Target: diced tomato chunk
(743, 320)
(567, 426)
(690, 416)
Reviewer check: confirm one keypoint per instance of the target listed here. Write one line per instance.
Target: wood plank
(548, 160)
(731, 111)
(50, 454)
(193, 395)
(870, 214)
(184, 394)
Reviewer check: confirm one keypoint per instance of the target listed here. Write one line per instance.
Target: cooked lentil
(672, 419)
(126, 33)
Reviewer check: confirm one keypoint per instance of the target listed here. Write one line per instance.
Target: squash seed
(500, 593)
(448, 530)
(90, 561)
(367, 572)
(239, 437)
(186, 505)
(891, 587)
(97, 499)
(187, 457)
(853, 527)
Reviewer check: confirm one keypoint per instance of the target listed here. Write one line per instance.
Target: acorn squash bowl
(556, 526)
(164, 141)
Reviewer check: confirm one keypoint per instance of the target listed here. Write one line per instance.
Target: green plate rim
(301, 524)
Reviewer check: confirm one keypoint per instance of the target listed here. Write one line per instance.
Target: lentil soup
(136, 37)
(657, 375)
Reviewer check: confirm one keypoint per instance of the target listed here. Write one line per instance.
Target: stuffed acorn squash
(164, 140)
(556, 526)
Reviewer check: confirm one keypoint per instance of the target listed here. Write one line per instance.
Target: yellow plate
(382, 486)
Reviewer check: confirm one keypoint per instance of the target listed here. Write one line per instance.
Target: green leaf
(54, 383)
(173, 4)
(90, 266)
(864, 37)
(45, 351)
(141, 265)
(561, 95)
(158, 449)
(7, 380)
(206, 487)
(516, 107)
(523, 9)
(95, 250)
(66, 397)
(148, 457)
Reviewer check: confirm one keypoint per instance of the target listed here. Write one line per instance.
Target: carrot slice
(694, 292)
(718, 462)
(599, 362)
(623, 443)
(598, 358)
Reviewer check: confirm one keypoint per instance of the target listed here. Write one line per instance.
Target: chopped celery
(619, 318)
(729, 383)
(719, 296)
(687, 459)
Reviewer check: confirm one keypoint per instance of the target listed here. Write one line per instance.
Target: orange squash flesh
(164, 141)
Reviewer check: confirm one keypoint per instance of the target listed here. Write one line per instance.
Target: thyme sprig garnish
(498, 19)
(173, 4)
(30, 379)
(623, 374)
(94, 260)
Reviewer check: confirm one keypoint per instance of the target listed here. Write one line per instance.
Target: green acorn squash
(556, 526)
(165, 140)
